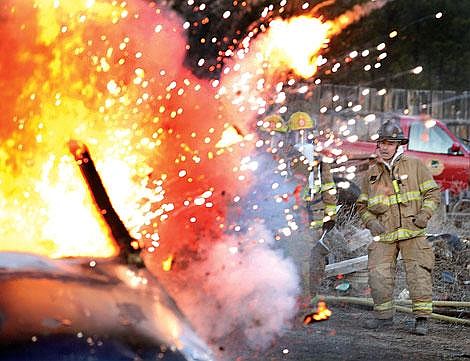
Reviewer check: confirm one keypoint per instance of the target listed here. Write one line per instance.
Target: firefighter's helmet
(275, 123)
(390, 130)
(300, 120)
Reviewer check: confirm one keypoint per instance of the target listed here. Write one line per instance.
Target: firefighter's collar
(396, 157)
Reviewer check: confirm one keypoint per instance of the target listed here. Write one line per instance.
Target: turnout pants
(317, 264)
(418, 258)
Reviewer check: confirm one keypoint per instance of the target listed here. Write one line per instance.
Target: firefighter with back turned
(319, 193)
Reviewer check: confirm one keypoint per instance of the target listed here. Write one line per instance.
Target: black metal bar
(127, 251)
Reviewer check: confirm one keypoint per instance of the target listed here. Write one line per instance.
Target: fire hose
(368, 302)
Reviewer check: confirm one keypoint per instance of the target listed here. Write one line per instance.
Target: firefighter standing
(398, 197)
(319, 194)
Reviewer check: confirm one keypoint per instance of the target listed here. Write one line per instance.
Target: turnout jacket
(395, 197)
(320, 192)
(321, 195)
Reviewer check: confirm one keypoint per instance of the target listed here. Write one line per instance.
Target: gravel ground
(343, 337)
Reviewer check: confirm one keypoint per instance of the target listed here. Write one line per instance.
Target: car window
(433, 139)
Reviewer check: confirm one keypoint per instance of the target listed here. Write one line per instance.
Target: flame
(355, 14)
(84, 70)
(45, 205)
(266, 60)
(296, 42)
(230, 136)
(322, 313)
(167, 263)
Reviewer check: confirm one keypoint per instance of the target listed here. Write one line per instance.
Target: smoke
(257, 286)
(243, 291)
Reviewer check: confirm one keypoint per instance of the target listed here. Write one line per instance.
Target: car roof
(406, 120)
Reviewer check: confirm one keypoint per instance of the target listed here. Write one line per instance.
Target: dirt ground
(343, 337)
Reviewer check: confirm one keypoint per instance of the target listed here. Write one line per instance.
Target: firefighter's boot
(378, 323)
(421, 326)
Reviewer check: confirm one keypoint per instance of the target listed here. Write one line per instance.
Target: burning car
(78, 306)
(74, 307)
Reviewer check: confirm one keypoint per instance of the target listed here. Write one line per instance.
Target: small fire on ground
(322, 313)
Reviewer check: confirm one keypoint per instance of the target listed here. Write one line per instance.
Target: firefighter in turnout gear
(319, 193)
(398, 197)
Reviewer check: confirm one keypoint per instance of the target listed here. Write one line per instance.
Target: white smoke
(242, 293)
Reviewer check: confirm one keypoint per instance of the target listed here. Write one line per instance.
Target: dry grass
(451, 274)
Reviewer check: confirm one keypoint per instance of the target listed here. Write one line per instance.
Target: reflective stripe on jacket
(322, 197)
(395, 198)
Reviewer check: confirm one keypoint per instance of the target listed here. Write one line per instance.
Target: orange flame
(322, 313)
(354, 15)
(296, 42)
(65, 79)
(111, 74)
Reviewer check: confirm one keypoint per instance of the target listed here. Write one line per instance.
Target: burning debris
(279, 57)
(321, 313)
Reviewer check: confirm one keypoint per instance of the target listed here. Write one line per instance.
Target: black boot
(378, 323)
(421, 326)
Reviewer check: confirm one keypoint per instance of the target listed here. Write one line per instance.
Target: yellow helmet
(300, 120)
(275, 123)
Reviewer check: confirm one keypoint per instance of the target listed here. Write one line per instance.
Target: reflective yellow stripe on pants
(424, 308)
(386, 306)
(384, 310)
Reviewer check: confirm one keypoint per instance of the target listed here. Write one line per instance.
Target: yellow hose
(369, 302)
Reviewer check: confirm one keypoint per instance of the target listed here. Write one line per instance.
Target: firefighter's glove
(376, 228)
(421, 220)
(328, 226)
